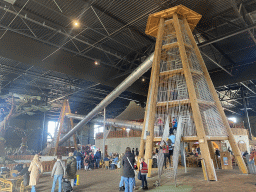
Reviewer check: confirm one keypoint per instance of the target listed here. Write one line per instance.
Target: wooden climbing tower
(181, 89)
(64, 126)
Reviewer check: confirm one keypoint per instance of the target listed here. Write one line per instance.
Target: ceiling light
(96, 62)
(143, 79)
(76, 23)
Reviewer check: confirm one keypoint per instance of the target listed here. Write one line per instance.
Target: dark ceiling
(42, 53)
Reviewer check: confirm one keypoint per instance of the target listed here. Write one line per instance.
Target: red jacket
(253, 155)
(144, 168)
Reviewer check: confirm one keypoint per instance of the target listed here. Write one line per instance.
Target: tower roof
(153, 20)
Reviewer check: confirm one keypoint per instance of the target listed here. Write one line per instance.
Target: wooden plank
(153, 89)
(212, 153)
(203, 102)
(194, 103)
(150, 162)
(72, 125)
(157, 139)
(62, 115)
(209, 138)
(232, 140)
(176, 71)
(173, 103)
(168, 22)
(170, 45)
(172, 72)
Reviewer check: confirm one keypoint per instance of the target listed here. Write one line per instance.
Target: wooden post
(150, 162)
(212, 153)
(194, 102)
(154, 81)
(231, 139)
(62, 115)
(72, 126)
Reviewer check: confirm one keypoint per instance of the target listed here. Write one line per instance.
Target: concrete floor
(107, 180)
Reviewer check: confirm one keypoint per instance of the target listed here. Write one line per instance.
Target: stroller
(66, 186)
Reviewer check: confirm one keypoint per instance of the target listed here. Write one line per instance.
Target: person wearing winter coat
(97, 157)
(58, 172)
(78, 160)
(71, 168)
(35, 170)
(128, 171)
(86, 162)
(143, 171)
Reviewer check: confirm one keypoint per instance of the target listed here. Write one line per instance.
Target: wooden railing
(120, 133)
(20, 157)
(47, 165)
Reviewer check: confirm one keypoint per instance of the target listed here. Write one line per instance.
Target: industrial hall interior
(127, 95)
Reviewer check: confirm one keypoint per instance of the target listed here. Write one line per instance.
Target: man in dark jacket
(71, 168)
(97, 157)
(78, 160)
(128, 171)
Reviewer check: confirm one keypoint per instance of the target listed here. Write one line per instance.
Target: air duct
(138, 72)
(115, 122)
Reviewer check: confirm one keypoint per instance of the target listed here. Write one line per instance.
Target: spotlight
(76, 23)
(143, 79)
(96, 62)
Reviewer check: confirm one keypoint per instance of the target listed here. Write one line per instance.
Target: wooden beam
(153, 89)
(208, 138)
(72, 125)
(212, 153)
(194, 103)
(232, 140)
(62, 115)
(177, 71)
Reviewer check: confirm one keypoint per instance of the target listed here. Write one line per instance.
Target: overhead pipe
(138, 72)
(115, 122)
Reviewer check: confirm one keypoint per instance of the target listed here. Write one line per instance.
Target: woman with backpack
(144, 172)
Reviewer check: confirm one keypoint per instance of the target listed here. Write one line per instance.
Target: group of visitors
(127, 171)
(35, 169)
(60, 171)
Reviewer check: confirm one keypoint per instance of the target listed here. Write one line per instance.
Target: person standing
(121, 183)
(97, 158)
(137, 152)
(133, 151)
(170, 151)
(86, 162)
(174, 123)
(166, 153)
(35, 170)
(71, 168)
(58, 172)
(78, 160)
(144, 172)
(128, 170)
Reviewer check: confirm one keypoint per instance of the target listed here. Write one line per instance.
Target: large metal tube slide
(138, 72)
(115, 122)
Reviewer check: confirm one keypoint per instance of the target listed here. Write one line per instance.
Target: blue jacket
(78, 156)
(97, 155)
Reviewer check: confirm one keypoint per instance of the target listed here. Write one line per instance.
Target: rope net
(173, 103)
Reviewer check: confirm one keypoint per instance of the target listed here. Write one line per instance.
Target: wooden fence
(20, 157)
(47, 165)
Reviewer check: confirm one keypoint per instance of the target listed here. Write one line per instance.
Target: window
(51, 129)
(97, 129)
